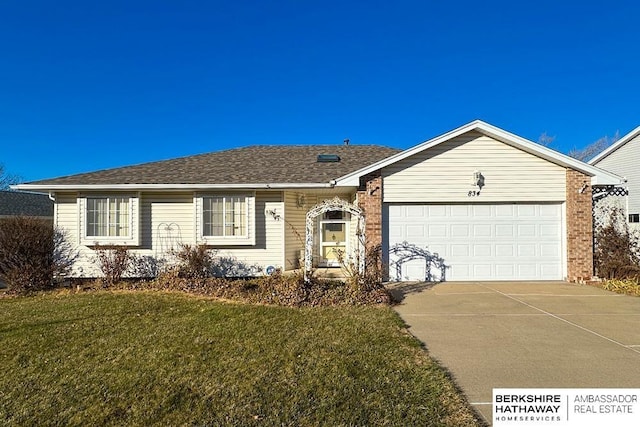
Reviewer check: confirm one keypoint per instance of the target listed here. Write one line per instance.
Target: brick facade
(579, 226)
(370, 201)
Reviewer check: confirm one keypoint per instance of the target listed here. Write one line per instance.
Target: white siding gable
(443, 174)
(625, 161)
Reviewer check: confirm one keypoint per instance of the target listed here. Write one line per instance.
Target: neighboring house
(623, 159)
(490, 204)
(17, 203)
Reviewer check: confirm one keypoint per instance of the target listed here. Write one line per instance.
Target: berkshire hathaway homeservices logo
(566, 407)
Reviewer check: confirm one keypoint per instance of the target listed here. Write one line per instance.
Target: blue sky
(90, 85)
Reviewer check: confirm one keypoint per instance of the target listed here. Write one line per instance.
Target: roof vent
(328, 158)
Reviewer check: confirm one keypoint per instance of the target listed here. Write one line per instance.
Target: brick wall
(370, 201)
(579, 227)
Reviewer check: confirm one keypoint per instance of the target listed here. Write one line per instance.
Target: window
(224, 216)
(634, 217)
(108, 217)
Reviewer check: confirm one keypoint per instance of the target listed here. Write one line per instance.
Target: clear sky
(87, 85)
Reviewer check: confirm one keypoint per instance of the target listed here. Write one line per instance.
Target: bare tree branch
(7, 179)
(590, 151)
(545, 139)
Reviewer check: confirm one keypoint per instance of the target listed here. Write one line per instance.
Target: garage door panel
(504, 230)
(460, 230)
(437, 211)
(526, 230)
(396, 232)
(481, 230)
(459, 250)
(481, 211)
(481, 242)
(549, 230)
(526, 210)
(503, 250)
(505, 270)
(551, 251)
(437, 230)
(415, 230)
(481, 250)
(460, 210)
(415, 211)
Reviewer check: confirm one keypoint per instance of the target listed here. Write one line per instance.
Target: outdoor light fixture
(478, 179)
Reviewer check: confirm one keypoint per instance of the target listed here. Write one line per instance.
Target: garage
(502, 241)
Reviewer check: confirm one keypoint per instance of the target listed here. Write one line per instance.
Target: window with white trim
(226, 219)
(108, 217)
(224, 216)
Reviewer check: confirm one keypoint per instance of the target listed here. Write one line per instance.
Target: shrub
(194, 262)
(32, 253)
(113, 262)
(617, 249)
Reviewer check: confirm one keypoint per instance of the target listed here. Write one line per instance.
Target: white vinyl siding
(624, 162)
(296, 206)
(443, 174)
(167, 220)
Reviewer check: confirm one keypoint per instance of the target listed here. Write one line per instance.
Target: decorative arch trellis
(335, 204)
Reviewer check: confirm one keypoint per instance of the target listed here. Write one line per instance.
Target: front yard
(144, 358)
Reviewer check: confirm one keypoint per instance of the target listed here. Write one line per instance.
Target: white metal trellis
(335, 204)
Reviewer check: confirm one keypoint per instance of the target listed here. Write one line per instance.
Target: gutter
(67, 187)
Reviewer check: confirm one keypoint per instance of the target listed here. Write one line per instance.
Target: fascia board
(168, 187)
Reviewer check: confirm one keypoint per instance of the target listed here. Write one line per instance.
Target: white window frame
(131, 239)
(248, 235)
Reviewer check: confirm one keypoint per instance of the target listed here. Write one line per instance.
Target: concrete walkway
(525, 335)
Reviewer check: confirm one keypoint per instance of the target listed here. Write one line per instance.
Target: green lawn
(145, 358)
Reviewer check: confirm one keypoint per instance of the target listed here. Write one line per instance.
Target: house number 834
(474, 193)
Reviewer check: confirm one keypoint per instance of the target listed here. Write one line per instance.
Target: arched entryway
(334, 205)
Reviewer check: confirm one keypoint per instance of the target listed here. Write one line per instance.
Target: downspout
(52, 196)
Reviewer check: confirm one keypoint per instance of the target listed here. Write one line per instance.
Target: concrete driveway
(525, 334)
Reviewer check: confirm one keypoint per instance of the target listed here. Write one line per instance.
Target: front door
(333, 242)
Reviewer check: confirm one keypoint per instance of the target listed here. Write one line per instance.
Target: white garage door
(477, 242)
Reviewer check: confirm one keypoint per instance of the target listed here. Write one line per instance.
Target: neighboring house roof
(248, 167)
(22, 203)
(619, 143)
(599, 176)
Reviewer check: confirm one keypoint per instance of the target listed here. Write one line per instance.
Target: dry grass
(141, 358)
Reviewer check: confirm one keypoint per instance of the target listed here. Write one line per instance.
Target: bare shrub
(617, 249)
(32, 253)
(194, 262)
(113, 262)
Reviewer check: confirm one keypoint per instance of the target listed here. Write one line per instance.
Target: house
(16, 203)
(487, 203)
(623, 158)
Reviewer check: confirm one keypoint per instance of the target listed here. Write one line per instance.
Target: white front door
(333, 242)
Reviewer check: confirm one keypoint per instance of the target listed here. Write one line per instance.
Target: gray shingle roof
(23, 203)
(249, 165)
